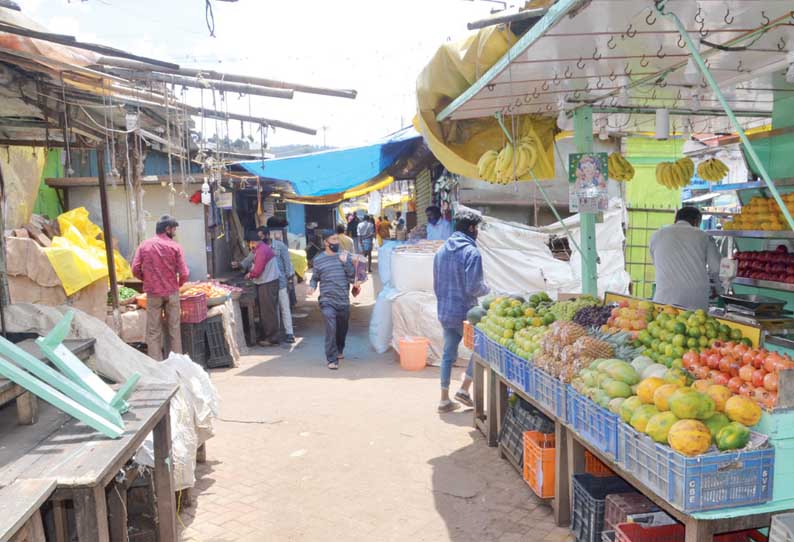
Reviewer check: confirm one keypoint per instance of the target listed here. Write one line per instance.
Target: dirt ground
(302, 453)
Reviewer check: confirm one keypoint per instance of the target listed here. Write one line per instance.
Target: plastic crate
(525, 368)
(479, 343)
(493, 354)
(634, 532)
(193, 308)
(468, 335)
(549, 392)
(706, 482)
(598, 425)
(607, 536)
(596, 467)
(194, 342)
(621, 505)
(782, 528)
(511, 437)
(218, 354)
(539, 462)
(589, 495)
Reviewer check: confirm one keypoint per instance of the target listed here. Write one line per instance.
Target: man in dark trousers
(458, 282)
(352, 231)
(265, 274)
(160, 263)
(335, 273)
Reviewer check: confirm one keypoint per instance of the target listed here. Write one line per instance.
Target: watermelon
(475, 314)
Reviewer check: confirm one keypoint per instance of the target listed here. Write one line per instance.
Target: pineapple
(592, 348)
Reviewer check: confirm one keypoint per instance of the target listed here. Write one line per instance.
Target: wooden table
(27, 403)
(83, 463)
(570, 460)
(20, 515)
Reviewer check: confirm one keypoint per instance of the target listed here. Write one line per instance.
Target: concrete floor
(302, 453)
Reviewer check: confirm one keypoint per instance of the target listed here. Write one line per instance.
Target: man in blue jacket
(458, 282)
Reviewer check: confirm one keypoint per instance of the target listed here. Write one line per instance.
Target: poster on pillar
(587, 182)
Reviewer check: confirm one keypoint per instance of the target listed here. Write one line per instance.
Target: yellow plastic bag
(299, 262)
(78, 255)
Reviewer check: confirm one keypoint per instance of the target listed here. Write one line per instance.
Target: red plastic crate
(620, 505)
(193, 308)
(596, 467)
(634, 532)
(539, 449)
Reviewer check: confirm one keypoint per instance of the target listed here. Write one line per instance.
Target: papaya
(615, 404)
(616, 388)
(596, 364)
(601, 398)
(743, 410)
(641, 417)
(588, 377)
(659, 425)
(733, 437)
(689, 404)
(661, 396)
(701, 385)
(675, 376)
(689, 437)
(628, 407)
(720, 395)
(622, 371)
(716, 422)
(640, 363)
(647, 388)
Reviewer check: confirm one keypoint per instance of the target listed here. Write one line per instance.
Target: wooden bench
(20, 518)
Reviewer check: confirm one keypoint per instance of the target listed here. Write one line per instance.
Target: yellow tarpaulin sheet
(299, 262)
(78, 254)
(459, 144)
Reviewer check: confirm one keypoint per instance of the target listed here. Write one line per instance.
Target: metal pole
(583, 138)
(108, 235)
(729, 112)
(5, 294)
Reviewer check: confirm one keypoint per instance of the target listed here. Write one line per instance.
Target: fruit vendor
(160, 263)
(458, 282)
(438, 228)
(263, 270)
(687, 262)
(335, 273)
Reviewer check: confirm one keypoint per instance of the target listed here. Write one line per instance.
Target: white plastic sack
(385, 254)
(380, 324)
(412, 271)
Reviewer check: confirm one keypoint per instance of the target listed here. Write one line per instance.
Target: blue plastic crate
(598, 425)
(525, 367)
(510, 367)
(479, 342)
(548, 391)
(493, 354)
(589, 504)
(706, 482)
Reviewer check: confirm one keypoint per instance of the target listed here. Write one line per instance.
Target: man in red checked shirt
(160, 263)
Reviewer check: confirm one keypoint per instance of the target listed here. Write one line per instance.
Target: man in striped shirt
(335, 273)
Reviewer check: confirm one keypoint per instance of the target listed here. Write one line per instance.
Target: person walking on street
(335, 273)
(345, 242)
(352, 231)
(384, 230)
(265, 273)
(458, 282)
(286, 275)
(366, 234)
(160, 263)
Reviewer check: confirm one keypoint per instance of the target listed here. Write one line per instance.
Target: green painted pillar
(583, 138)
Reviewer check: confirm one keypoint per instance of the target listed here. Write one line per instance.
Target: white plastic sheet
(380, 324)
(412, 271)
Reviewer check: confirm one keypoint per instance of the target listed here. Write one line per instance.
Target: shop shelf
(548, 391)
(539, 463)
(596, 467)
(756, 234)
(771, 284)
(589, 499)
(706, 482)
(636, 532)
(620, 505)
(596, 424)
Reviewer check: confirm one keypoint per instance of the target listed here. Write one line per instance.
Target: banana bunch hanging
(619, 168)
(712, 170)
(510, 163)
(674, 175)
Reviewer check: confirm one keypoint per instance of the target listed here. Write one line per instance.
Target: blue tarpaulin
(335, 171)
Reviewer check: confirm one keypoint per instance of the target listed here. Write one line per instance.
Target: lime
(668, 350)
(644, 337)
(678, 351)
(736, 334)
(663, 317)
(656, 344)
(711, 333)
(704, 342)
(678, 340)
(508, 334)
(670, 325)
(692, 342)
(529, 313)
(724, 330)
(537, 322)
(678, 363)
(664, 336)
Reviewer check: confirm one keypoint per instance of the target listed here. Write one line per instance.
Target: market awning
(335, 172)
(623, 56)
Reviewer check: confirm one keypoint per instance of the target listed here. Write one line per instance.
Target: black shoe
(290, 339)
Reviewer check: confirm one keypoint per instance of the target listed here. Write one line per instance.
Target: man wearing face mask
(458, 282)
(160, 263)
(438, 228)
(335, 273)
(265, 273)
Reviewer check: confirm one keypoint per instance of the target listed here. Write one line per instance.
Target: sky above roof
(377, 47)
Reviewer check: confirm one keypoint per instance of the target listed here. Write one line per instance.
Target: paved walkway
(306, 454)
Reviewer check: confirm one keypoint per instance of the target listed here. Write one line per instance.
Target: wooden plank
(20, 501)
(60, 521)
(91, 514)
(562, 489)
(71, 451)
(117, 512)
(163, 481)
(32, 531)
(27, 408)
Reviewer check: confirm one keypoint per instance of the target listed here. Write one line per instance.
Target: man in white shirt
(438, 228)
(685, 258)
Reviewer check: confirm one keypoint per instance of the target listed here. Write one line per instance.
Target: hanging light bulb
(662, 124)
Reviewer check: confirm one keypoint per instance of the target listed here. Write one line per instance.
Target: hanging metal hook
(727, 21)
(586, 87)
(556, 79)
(580, 64)
(548, 107)
(681, 43)
(490, 87)
(740, 67)
(703, 83)
(662, 83)
(613, 102)
(596, 55)
(765, 18)
(568, 73)
(576, 95)
(627, 69)
(644, 61)
(612, 75)
(699, 17)
(660, 54)
(630, 32)
(535, 93)
(611, 43)
(648, 20)
(702, 30)
(599, 84)
(781, 44)
(545, 85)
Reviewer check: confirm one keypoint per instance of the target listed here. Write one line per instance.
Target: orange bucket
(413, 353)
